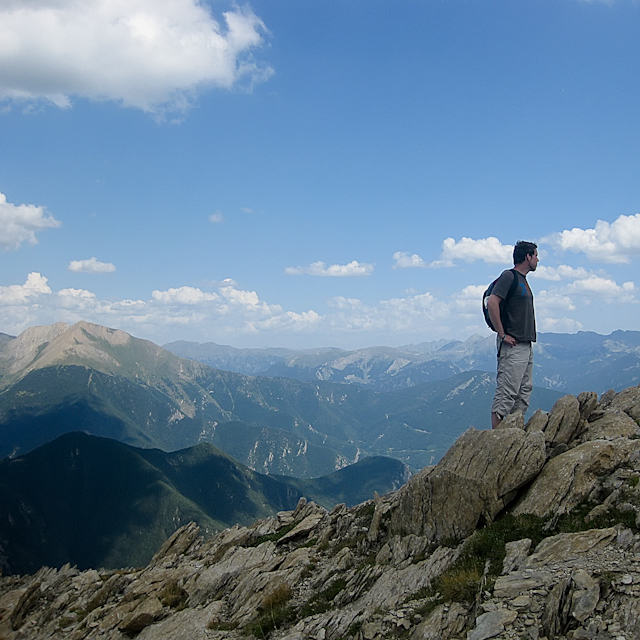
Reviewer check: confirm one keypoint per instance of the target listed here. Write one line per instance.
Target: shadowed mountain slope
(97, 502)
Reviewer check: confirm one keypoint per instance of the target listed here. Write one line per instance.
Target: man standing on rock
(516, 328)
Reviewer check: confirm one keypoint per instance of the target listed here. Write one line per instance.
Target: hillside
(95, 502)
(528, 531)
(89, 378)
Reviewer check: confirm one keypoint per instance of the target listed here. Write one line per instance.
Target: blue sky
(315, 172)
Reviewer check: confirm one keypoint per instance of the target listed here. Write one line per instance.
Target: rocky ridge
(528, 531)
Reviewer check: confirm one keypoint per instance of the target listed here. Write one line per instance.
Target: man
(515, 336)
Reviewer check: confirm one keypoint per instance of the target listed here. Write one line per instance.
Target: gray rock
(588, 400)
(147, 612)
(556, 611)
(442, 623)
(569, 478)
(566, 546)
(613, 424)
(516, 554)
(538, 421)
(489, 625)
(585, 596)
(475, 479)
(563, 421)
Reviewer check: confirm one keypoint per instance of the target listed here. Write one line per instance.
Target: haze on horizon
(321, 174)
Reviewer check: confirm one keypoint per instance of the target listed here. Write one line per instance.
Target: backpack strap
(514, 284)
(512, 289)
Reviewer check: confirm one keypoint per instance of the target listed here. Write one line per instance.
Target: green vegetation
(321, 602)
(482, 555)
(274, 537)
(274, 612)
(174, 596)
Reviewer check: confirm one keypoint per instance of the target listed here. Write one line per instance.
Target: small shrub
(461, 585)
(273, 537)
(274, 612)
(173, 595)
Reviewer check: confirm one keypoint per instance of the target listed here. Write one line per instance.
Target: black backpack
(503, 303)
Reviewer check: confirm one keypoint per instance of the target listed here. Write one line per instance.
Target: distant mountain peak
(83, 343)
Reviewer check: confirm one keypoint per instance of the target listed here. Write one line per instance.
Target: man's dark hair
(522, 250)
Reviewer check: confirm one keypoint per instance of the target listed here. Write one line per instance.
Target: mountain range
(569, 363)
(103, 381)
(95, 502)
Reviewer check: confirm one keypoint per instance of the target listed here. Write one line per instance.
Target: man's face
(532, 261)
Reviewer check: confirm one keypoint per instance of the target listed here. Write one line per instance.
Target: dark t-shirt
(520, 316)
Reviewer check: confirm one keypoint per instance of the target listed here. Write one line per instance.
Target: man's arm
(493, 306)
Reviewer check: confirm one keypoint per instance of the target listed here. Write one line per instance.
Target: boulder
(563, 421)
(538, 421)
(442, 623)
(567, 546)
(147, 612)
(613, 424)
(569, 478)
(490, 624)
(177, 544)
(475, 480)
(515, 555)
(628, 401)
(588, 400)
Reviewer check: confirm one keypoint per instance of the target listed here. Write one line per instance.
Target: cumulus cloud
(340, 302)
(405, 260)
(561, 272)
(489, 250)
(546, 300)
(354, 268)
(92, 265)
(20, 293)
(615, 242)
(142, 53)
(184, 295)
(559, 325)
(217, 217)
(603, 288)
(20, 223)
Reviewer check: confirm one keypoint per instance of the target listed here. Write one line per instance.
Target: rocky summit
(528, 531)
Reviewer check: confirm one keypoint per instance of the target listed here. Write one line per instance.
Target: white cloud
(18, 294)
(354, 268)
(20, 223)
(92, 265)
(614, 243)
(184, 295)
(405, 260)
(559, 325)
(340, 302)
(561, 272)
(148, 54)
(217, 217)
(546, 300)
(603, 288)
(490, 250)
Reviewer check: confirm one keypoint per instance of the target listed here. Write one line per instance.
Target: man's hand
(510, 340)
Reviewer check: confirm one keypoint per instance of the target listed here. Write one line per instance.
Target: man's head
(526, 252)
